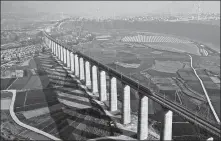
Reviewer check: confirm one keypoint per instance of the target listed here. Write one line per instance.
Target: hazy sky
(109, 8)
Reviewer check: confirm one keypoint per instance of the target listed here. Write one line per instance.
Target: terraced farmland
(164, 43)
(151, 39)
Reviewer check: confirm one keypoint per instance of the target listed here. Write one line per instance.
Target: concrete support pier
(72, 62)
(76, 62)
(59, 52)
(82, 77)
(166, 131)
(142, 132)
(126, 117)
(62, 54)
(68, 59)
(88, 74)
(64, 51)
(113, 94)
(94, 79)
(53, 47)
(56, 49)
(103, 86)
(65, 56)
(50, 44)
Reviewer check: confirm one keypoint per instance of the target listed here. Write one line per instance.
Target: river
(204, 33)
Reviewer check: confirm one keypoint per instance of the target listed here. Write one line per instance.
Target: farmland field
(164, 60)
(6, 94)
(150, 38)
(167, 66)
(5, 100)
(10, 130)
(33, 99)
(176, 47)
(161, 62)
(159, 55)
(5, 104)
(159, 73)
(6, 82)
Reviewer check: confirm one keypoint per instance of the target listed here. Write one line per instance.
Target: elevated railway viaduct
(93, 73)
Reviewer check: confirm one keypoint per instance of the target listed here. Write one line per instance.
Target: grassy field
(187, 75)
(10, 130)
(19, 83)
(160, 74)
(167, 66)
(5, 103)
(29, 100)
(176, 47)
(6, 94)
(210, 63)
(41, 111)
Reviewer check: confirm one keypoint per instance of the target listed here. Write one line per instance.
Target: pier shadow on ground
(79, 117)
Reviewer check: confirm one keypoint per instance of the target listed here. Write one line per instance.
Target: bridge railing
(87, 68)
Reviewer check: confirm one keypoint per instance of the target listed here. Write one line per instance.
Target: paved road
(19, 126)
(204, 89)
